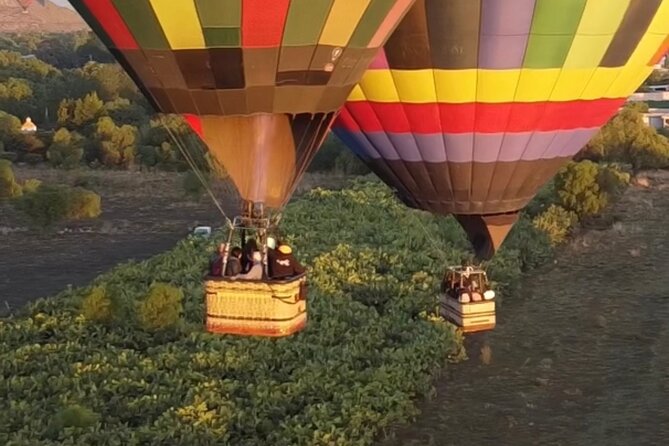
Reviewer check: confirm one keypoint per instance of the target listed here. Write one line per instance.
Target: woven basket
(256, 308)
(471, 317)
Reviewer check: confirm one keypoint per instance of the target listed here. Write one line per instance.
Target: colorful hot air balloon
(259, 80)
(475, 104)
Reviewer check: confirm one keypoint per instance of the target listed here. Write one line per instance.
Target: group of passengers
(464, 285)
(247, 263)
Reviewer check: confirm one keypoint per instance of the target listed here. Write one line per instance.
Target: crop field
(370, 348)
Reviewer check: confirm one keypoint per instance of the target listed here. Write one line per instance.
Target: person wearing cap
(282, 264)
(256, 270)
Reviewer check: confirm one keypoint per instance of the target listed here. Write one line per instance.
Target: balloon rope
(430, 237)
(197, 172)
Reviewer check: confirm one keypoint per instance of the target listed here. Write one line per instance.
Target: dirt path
(582, 358)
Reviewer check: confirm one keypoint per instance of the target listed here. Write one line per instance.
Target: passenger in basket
(234, 265)
(256, 271)
(476, 292)
(247, 254)
(216, 262)
(465, 290)
(283, 264)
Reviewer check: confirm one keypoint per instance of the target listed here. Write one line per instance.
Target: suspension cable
(200, 176)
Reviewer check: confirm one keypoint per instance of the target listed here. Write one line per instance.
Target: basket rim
(290, 280)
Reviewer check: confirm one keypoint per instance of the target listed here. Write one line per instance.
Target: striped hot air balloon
(259, 80)
(475, 104)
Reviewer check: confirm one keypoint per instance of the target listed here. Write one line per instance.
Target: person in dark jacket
(249, 248)
(282, 263)
(234, 265)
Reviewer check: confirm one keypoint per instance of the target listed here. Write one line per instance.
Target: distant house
(653, 88)
(28, 126)
(657, 118)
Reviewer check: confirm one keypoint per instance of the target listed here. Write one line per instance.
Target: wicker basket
(256, 308)
(472, 316)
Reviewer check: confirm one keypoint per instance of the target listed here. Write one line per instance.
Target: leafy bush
(44, 207)
(98, 306)
(546, 196)
(335, 157)
(83, 204)
(529, 245)
(49, 205)
(556, 222)
(161, 308)
(586, 188)
(31, 185)
(74, 416)
(192, 184)
(9, 188)
(579, 190)
(626, 138)
(66, 149)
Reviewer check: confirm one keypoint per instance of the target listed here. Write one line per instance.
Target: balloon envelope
(475, 104)
(261, 81)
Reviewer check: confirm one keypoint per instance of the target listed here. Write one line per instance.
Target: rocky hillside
(49, 18)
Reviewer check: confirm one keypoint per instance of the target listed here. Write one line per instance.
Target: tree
(586, 188)
(75, 114)
(9, 188)
(10, 131)
(15, 90)
(66, 149)
(124, 111)
(116, 145)
(626, 138)
(110, 81)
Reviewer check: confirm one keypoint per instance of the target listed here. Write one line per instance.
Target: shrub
(83, 204)
(532, 246)
(72, 416)
(44, 207)
(612, 180)
(192, 184)
(161, 308)
(335, 157)
(556, 222)
(31, 185)
(628, 139)
(9, 188)
(546, 196)
(49, 205)
(66, 150)
(97, 306)
(579, 190)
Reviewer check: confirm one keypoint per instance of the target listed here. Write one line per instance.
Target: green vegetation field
(97, 366)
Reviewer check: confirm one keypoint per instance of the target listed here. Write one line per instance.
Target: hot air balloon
(473, 105)
(261, 82)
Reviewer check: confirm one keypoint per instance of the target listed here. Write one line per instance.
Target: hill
(49, 18)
